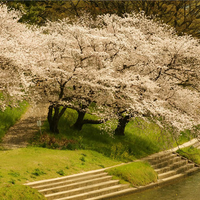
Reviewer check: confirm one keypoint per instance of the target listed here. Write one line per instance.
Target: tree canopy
(126, 66)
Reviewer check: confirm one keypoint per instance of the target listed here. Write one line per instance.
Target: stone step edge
(119, 187)
(171, 166)
(177, 171)
(74, 175)
(70, 181)
(90, 188)
(114, 194)
(78, 183)
(158, 156)
(155, 161)
(180, 175)
(167, 162)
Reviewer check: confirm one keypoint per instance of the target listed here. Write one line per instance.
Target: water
(185, 189)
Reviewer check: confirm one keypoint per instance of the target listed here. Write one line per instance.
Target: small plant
(12, 181)
(14, 174)
(38, 172)
(120, 151)
(82, 159)
(50, 141)
(61, 172)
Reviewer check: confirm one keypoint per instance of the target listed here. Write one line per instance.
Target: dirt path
(19, 135)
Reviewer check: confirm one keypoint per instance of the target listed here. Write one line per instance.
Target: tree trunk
(54, 116)
(79, 122)
(123, 120)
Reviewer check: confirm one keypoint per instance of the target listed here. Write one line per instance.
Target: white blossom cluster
(131, 64)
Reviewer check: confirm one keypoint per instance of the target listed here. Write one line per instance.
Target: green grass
(19, 192)
(33, 163)
(137, 173)
(72, 152)
(141, 138)
(191, 153)
(9, 117)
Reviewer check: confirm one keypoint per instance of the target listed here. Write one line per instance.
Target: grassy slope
(191, 153)
(141, 138)
(136, 173)
(33, 163)
(93, 149)
(9, 117)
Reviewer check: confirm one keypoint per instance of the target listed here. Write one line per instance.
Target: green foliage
(42, 163)
(38, 172)
(191, 153)
(38, 12)
(9, 117)
(51, 141)
(137, 173)
(61, 172)
(14, 174)
(19, 192)
(185, 136)
(121, 152)
(141, 138)
(182, 15)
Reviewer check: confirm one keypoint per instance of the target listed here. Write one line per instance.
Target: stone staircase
(91, 185)
(171, 166)
(97, 184)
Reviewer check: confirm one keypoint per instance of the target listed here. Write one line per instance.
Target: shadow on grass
(135, 144)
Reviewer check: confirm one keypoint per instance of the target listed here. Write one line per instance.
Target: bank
(97, 184)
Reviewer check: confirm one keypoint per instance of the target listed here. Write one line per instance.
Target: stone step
(114, 194)
(163, 159)
(192, 170)
(179, 170)
(167, 174)
(75, 185)
(173, 166)
(158, 156)
(181, 175)
(167, 162)
(184, 168)
(82, 190)
(70, 181)
(72, 178)
(172, 178)
(96, 193)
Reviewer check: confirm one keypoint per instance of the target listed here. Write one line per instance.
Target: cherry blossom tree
(126, 66)
(21, 51)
